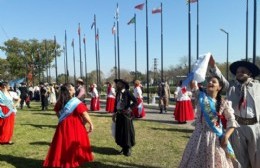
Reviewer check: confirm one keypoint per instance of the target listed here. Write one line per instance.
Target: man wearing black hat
(125, 102)
(244, 93)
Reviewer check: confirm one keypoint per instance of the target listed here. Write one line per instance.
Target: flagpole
(135, 50)
(254, 32)
(189, 36)
(115, 50)
(246, 30)
(56, 66)
(80, 60)
(67, 70)
(198, 29)
(46, 58)
(64, 62)
(99, 78)
(96, 47)
(147, 53)
(118, 53)
(161, 43)
(85, 54)
(74, 61)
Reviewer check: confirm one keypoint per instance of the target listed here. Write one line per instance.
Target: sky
(44, 19)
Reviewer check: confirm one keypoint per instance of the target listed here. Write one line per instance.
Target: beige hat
(80, 80)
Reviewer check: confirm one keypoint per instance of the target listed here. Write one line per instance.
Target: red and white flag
(113, 29)
(157, 10)
(140, 6)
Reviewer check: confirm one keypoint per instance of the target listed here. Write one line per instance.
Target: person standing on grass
(94, 103)
(125, 102)
(80, 90)
(244, 92)
(7, 114)
(138, 111)
(111, 95)
(70, 145)
(208, 145)
(183, 110)
(164, 95)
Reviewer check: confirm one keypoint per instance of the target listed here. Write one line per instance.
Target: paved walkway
(153, 114)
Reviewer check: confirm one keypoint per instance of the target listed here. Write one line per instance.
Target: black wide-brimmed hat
(250, 66)
(123, 82)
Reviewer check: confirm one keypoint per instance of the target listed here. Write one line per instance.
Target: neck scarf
(210, 115)
(243, 91)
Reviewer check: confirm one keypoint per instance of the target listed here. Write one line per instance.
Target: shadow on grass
(21, 162)
(45, 113)
(105, 150)
(110, 164)
(184, 130)
(160, 121)
(41, 126)
(40, 143)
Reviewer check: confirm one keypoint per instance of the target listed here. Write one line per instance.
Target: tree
(29, 57)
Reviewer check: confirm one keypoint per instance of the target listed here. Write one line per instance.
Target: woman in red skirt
(94, 103)
(111, 97)
(7, 114)
(70, 145)
(138, 111)
(183, 109)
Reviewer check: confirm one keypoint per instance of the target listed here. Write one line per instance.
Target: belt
(246, 121)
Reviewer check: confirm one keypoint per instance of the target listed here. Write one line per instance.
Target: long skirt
(94, 104)
(6, 126)
(110, 104)
(183, 111)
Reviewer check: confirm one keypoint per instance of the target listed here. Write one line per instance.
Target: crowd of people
(227, 128)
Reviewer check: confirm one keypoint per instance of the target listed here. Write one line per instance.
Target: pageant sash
(8, 103)
(68, 108)
(210, 115)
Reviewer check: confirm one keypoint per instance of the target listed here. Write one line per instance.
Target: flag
(84, 39)
(140, 6)
(72, 43)
(117, 12)
(93, 24)
(157, 10)
(97, 36)
(192, 1)
(113, 29)
(131, 21)
(79, 30)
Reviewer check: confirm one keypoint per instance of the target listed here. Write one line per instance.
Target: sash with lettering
(210, 114)
(4, 101)
(68, 108)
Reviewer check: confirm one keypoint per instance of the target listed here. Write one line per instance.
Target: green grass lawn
(157, 144)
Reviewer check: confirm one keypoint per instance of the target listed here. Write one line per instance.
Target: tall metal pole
(55, 55)
(197, 29)
(85, 54)
(66, 51)
(80, 60)
(254, 33)
(147, 53)
(135, 50)
(114, 31)
(99, 78)
(96, 46)
(246, 30)
(189, 37)
(74, 61)
(161, 43)
(118, 53)
(227, 50)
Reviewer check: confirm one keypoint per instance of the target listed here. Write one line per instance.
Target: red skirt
(110, 105)
(94, 104)
(6, 126)
(184, 111)
(139, 112)
(70, 145)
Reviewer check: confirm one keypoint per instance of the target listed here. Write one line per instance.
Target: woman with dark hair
(70, 146)
(208, 145)
(7, 114)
